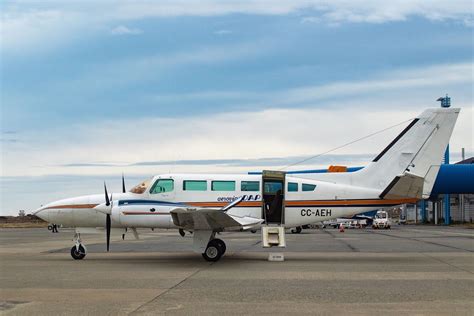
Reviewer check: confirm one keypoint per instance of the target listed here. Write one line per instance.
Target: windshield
(141, 187)
(381, 215)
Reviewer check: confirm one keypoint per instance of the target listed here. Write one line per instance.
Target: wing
(210, 219)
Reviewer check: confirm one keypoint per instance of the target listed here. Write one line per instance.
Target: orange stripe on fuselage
(72, 206)
(374, 202)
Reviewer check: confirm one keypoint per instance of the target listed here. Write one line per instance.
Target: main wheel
(214, 251)
(221, 244)
(78, 254)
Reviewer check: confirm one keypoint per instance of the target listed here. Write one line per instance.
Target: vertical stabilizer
(409, 165)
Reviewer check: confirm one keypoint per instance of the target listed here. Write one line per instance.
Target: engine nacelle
(145, 215)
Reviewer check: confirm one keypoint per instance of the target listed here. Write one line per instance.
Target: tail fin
(408, 166)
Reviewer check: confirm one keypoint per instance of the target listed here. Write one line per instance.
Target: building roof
(467, 161)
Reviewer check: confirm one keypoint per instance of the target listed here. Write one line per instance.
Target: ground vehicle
(381, 220)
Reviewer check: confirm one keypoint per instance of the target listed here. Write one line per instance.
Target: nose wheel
(215, 250)
(78, 252)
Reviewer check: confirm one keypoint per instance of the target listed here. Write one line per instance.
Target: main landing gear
(215, 250)
(297, 230)
(78, 251)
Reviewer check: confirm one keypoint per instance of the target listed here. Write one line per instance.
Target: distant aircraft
(206, 204)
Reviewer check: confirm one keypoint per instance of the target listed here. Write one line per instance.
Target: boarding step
(273, 236)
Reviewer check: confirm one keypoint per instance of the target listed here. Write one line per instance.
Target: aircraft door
(273, 193)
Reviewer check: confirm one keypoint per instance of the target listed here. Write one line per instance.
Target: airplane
(206, 204)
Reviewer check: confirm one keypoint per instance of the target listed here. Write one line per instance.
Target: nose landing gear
(78, 251)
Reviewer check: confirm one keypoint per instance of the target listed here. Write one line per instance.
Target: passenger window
(250, 186)
(162, 186)
(223, 186)
(195, 185)
(292, 187)
(309, 187)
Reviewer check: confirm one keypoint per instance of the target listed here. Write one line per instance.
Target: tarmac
(423, 270)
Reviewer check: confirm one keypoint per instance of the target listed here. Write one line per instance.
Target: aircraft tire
(213, 251)
(78, 255)
(297, 230)
(181, 232)
(222, 245)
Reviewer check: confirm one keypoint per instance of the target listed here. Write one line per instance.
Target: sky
(91, 89)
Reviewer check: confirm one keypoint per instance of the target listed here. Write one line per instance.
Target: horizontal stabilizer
(405, 186)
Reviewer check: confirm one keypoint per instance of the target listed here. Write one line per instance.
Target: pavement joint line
(348, 245)
(245, 248)
(171, 288)
(416, 239)
(447, 263)
(442, 232)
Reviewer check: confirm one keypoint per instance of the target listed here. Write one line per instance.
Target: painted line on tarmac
(416, 239)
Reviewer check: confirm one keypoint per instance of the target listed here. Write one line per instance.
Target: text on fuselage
(316, 212)
(251, 197)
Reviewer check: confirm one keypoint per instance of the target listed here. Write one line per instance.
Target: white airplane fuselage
(320, 201)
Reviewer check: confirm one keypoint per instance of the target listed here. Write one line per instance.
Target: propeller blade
(107, 201)
(107, 228)
(123, 184)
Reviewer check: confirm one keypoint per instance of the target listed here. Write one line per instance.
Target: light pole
(446, 103)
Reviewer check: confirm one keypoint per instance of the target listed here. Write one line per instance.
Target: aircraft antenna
(344, 145)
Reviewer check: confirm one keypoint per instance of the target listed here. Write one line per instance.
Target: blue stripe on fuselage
(150, 202)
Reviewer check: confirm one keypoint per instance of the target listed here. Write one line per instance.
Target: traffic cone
(341, 228)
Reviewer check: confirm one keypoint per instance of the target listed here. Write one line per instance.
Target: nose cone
(103, 208)
(61, 211)
(42, 213)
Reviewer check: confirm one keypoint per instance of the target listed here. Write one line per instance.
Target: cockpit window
(162, 186)
(141, 187)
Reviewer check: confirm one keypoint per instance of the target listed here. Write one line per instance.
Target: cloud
(226, 142)
(223, 32)
(296, 122)
(251, 163)
(9, 140)
(130, 70)
(354, 11)
(42, 29)
(29, 24)
(123, 30)
(310, 19)
(444, 75)
(435, 77)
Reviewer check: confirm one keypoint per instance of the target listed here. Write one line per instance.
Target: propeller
(108, 221)
(123, 184)
(106, 208)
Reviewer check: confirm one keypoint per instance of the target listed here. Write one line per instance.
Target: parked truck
(381, 220)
